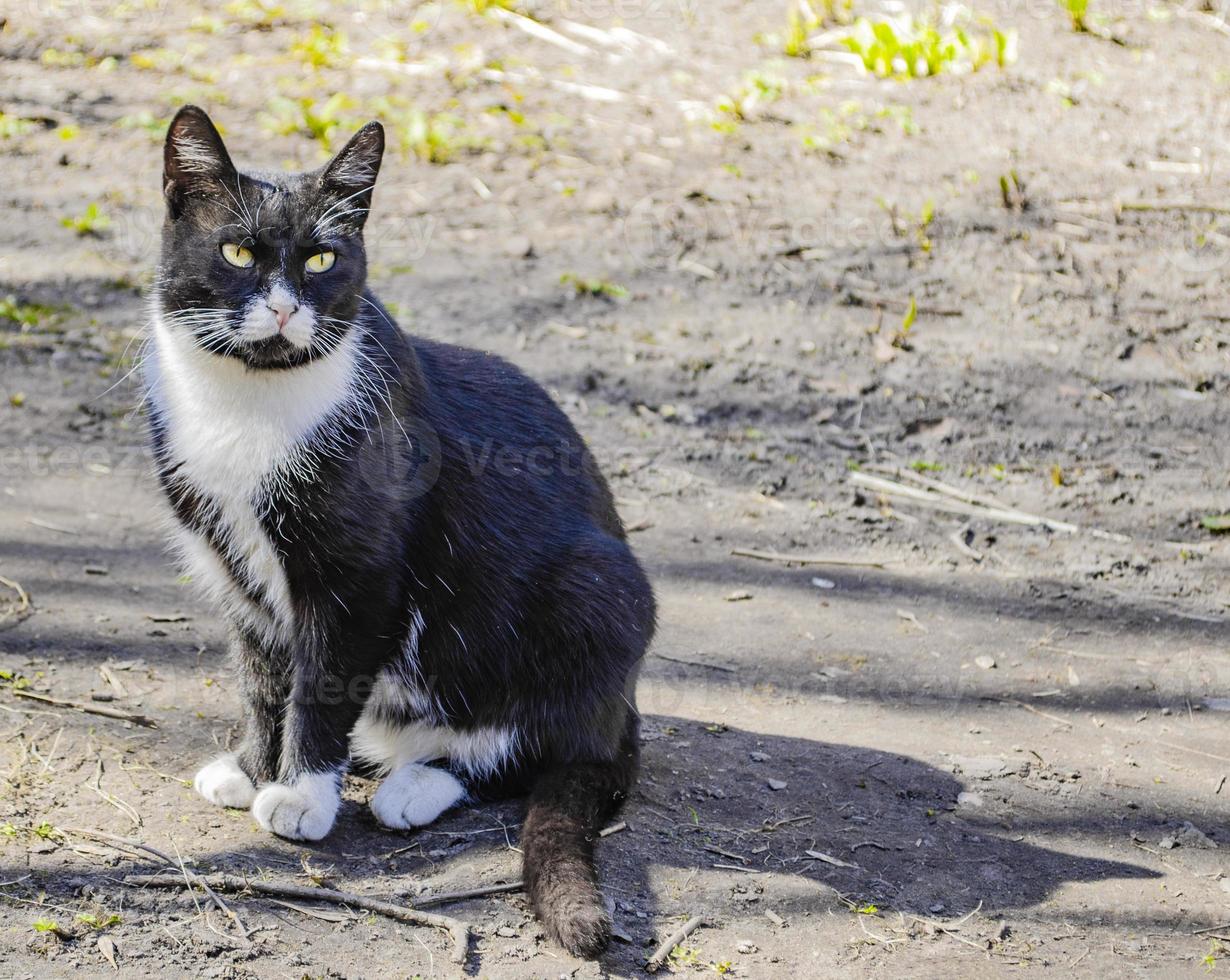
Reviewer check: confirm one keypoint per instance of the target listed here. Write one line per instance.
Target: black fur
(461, 498)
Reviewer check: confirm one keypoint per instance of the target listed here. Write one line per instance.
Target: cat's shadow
(705, 833)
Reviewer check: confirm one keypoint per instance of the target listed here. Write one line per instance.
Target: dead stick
(1030, 708)
(1173, 206)
(1184, 748)
(942, 501)
(459, 931)
(22, 595)
(982, 500)
(134, 846)
(674, 939)
(89, 709)
(695, 663)
(968, 496)
(446, 897)
(805, 559)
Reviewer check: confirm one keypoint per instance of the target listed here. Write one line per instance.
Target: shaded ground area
(986, 748)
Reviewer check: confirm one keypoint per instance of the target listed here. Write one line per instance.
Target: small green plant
(91, 222)
(801, 21)
(835, 126)
(922, 230)
(1217, 523)
(1216, 952)
(55, 58)
(926, 466)
(482, 6)
(11, 126)
(1012, 191)
(17, 681)
(868, 909)
(757, 88)
(22, 314)
(907, 47)
(49, 925)
(261, 14)
(684, 956)
(320, 47)
(1078, 14)
(432, 137)
(593, 287)
(98, 922)
(319, 119)
(919, 228)
(146, 121)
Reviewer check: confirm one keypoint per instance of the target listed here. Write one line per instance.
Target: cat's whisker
(325, 227)
(337, 204)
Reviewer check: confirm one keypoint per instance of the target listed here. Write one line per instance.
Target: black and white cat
(421, 565)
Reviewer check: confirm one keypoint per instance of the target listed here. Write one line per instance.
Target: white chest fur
(232, 430)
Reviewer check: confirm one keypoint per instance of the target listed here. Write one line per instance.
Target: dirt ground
(986, 748)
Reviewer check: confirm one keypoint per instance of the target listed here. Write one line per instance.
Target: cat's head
(266, 268)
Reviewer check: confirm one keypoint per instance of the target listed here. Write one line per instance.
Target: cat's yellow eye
(237, 255)
(321, 262)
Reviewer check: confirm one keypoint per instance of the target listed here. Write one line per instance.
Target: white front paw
(304, 810)
(223, 783)
(414, 795)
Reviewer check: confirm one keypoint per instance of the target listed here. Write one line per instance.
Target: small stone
(985, 661)
(599, 202)
(937, 908)
(746, 946)
(983, 766)
(1189, 835)
(759, 756)
(738, 596)
(969, 799)
(508, 932)
(518, 247)
(823, 583)
(777, 784)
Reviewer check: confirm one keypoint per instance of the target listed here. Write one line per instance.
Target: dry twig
(458, 930)
(445, 898)
(956, 501)
(23, 599)
(806, 559)
(670, 942)
(89, 709)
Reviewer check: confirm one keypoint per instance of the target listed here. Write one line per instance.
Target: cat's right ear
(195, 161)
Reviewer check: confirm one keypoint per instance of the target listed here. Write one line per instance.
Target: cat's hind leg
(414, 795)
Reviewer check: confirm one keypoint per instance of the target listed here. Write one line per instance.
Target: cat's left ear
(351, 174)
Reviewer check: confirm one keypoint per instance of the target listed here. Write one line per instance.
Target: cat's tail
(569, 804)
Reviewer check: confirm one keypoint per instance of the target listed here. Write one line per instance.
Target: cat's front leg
(231, 779)
(323, 708)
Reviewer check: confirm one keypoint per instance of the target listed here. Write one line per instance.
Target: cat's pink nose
(282, 310)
